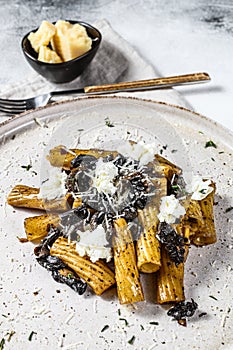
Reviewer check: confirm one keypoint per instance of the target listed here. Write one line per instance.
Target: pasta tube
(148, 246)
(97, 275)
(170, 280)
(129, 288)
(169, 169)
(61, 157)
(206, 234)
(200, 219)
(28, 197)
(36, 226)
(77, 203)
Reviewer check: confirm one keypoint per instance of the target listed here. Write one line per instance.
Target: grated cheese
(170, 209)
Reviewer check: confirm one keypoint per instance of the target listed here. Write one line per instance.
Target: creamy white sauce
(199, 188)
(170, 209)
(140, 151)
(105, 173)
(54, 186)
(93, 244)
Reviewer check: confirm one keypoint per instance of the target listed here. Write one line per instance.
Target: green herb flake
(119, 312)
(123, 319)
(104, 328)
(31, 335)
(70, 275)
(211, 296)
(2, 343)
(212, 159)
(131, 341)
(142, 328)
(174, 150)
(27, 167)
(108, 123)
(201, 132)
(4, 315)
(10, 334)
(154, 323)
(228, 209)
(210, 143)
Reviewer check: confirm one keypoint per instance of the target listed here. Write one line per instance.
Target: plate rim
(202, 117)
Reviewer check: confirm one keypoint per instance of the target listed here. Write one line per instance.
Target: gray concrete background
(175, 36)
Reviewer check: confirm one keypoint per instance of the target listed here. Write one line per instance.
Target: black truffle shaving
(174, 243)
(182, 310)
(73, 282)
(84, 160)
(56, 265)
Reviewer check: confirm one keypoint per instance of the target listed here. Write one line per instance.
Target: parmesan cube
(42, 36)
(48, 55)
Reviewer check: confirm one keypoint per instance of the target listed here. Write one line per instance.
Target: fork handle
(149, 83)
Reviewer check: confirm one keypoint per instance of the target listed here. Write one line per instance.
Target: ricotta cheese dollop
(54, 186)
(105, 173)
(170, 209)
(93, 244)
(199, 188)
(140, 151)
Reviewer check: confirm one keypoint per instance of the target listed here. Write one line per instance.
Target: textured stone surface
(176, 37)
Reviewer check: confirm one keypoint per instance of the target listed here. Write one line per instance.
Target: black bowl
(65, 71)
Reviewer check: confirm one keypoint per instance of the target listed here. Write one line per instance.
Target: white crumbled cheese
(105, 173)
(93, 244)
(199, 188)
(170, 209)
(54, 186)
(140, 151)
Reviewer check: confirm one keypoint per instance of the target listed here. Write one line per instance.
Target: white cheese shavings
(93, 244)
(54, 186)
(199, 188)
(105, 173)
(140, 151)
(170, 209)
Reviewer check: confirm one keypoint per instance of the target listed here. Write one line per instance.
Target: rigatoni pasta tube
(200, 218)
(170, 280)
(97, 275)
(61, 157)
(36, 226)
(207, 233)
(129, 288)
(148, 246)
(28, 197)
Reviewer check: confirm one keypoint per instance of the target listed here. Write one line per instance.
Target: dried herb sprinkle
(27, 167)
(228, 209)
(131, 341)
(109, 123)
(123, 319)
(31, 335)
(104, 328)
(210, 143)
(2, 343)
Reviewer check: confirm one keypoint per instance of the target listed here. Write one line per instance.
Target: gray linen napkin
(115, 61)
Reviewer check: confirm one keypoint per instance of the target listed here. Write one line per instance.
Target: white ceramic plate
(32, 301)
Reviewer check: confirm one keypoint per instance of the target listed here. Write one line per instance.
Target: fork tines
(12, 106)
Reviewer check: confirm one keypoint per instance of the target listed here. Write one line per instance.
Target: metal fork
(19, 106)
